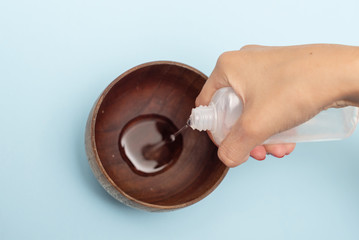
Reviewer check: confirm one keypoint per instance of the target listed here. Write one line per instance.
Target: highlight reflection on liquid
(146, 146)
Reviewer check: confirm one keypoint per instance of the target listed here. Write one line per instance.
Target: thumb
(244, 136)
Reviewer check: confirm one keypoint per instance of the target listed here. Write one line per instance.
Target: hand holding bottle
(281, 87)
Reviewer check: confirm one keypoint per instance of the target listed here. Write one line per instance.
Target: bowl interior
(169, 90)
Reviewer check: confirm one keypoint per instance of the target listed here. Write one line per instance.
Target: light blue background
(56, 57)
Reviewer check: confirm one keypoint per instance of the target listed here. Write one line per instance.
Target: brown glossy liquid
(148, 145)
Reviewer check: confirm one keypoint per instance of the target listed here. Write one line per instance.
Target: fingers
(215, 81)
(245, 139)
(236, 147)
(206, 93)
(259, 153)
(279, 150)
(276, 150)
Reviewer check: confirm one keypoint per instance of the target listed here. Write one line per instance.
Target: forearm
(329, 69)
(341, 67)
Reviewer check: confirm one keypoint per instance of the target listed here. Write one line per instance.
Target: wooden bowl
(168, 89)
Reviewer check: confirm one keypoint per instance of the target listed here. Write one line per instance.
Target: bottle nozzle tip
(188, 122)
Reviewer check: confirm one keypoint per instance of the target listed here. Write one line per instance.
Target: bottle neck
(203, 118)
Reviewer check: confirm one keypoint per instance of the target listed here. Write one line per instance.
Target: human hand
(281, 87)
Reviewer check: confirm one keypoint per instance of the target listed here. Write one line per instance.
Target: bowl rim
(97, 157)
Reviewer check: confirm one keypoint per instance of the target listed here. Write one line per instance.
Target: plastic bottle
(225, 109)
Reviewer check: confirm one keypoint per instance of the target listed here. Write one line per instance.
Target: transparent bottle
(226, 107)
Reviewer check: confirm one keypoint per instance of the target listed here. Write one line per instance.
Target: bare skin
(281, 87)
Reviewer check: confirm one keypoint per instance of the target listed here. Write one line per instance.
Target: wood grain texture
(168, 89)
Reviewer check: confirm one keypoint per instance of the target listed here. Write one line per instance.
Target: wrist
(351, 77)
